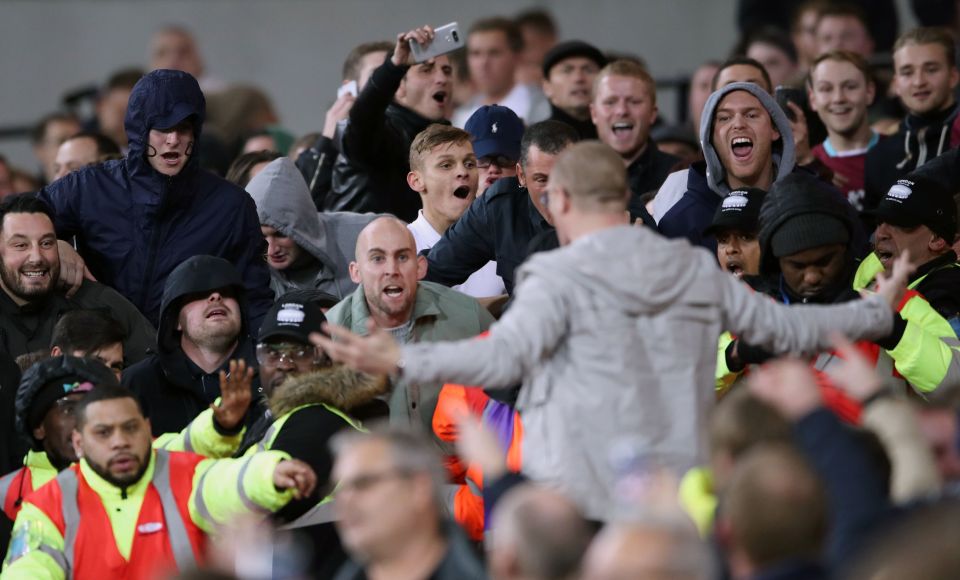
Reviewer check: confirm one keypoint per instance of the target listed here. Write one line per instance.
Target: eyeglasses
(501, 161)
(274, 354)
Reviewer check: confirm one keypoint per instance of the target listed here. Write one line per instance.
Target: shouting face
(623, 110)
(170, 149)
(743, 136)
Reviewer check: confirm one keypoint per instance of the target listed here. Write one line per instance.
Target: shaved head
(377, 228)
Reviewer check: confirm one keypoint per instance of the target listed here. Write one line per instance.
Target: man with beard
(443, 169)
(126, 510)
(393, 298)
(805, 258)
(204, 328)
(31, 303)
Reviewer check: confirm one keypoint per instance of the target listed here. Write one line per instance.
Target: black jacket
(370, 174)
(29, 328)
(918, 141)
(316, 166)
(941, 286)
(499, 226)
(647, 173)
(586, 129)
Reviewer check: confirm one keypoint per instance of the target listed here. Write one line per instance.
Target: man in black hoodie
(203, 325)
(925, 76)
(401, 99)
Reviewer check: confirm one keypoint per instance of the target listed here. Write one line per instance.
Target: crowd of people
(493, 317)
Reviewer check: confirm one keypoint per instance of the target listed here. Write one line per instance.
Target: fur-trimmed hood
(337, 386)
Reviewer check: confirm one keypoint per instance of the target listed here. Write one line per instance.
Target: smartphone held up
(446, 39)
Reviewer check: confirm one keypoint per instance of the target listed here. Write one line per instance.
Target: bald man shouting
(393, 298)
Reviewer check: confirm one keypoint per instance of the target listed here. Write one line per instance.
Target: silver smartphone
(446, 39)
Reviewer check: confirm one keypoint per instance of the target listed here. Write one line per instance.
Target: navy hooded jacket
(134, 225)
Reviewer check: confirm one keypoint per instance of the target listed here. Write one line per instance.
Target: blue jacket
(134, 225)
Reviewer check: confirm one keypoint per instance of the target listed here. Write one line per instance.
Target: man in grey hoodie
(306, 249)
(609, 354)
(747, 142)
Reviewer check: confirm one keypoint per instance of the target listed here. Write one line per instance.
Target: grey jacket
(284, 203)
(624, 353)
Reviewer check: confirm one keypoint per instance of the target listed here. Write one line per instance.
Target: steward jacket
(82, 526)
(134, 225)
(498, 226)
(202, 436)
(370, 174)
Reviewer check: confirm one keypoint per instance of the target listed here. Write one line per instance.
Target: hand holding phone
(446, 39)
(783, 95)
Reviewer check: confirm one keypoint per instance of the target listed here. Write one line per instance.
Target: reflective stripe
(67, 480)
(5, 482)
(57, 556)
(247, 502)
(322, 513)
(199, 503)
(268, 437)
(176, 529)
(187, 443)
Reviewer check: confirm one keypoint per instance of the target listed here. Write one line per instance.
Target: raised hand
(402, 55)
(235, 395)
(376, 354)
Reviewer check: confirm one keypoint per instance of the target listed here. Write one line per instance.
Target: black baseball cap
(292, 319)
(738, 211)
(571, 48)
(919, 201)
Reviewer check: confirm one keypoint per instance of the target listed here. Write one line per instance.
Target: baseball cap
(293, 319)
(919, 201)
(738, 211)
(495, 130)
(571, 48)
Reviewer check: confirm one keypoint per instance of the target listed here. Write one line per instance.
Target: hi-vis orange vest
(165, 538)
(13, 488)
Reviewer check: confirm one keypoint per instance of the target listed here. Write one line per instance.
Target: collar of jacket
(425, 306)
(107, 490)
(337, 386)
(411, 119)
(935, 264)
(935, 119)
(586, 129)
(183, 373)
(643, 162)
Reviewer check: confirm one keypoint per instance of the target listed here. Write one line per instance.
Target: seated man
(393, 298)
(173, 499)
(306, 249)
(806, 259)
(495, 132)
(736, 226)
(31, 303)
(443, 169)
(204, 325)
(501, 225)
(920, 216)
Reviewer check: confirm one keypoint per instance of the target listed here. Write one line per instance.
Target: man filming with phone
(401, 99)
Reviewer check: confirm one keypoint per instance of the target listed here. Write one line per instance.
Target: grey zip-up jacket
(624, 353)
(284, 203)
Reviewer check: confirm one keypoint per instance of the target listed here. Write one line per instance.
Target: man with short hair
(204, 325)
(624, 107)
(392, 297)
(401, 99)
(92, 334)
(747, 142)
(660, 312)
(496, 133)
(50, 132)
(30, 301)
(83, 149)
(843, 27)
(173, 47)
(539, 32)
(138, 218)
(111, 107)
(443, 169)
(741, 69)
(773, 49)
(925, 76)
(390, 510)
(306, 249)
(840, 89)
(654, 547)
(494, 46)
(539, 535)
(569, 72)
(501, 225)
(128, 510)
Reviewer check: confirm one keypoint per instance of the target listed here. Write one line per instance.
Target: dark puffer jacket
(135, 225)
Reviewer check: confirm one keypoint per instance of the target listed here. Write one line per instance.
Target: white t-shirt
(527, 102)
(483, 283)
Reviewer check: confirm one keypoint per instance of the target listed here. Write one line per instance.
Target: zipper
(152, 248)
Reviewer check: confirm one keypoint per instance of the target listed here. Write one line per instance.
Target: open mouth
(735, 268)
(170, 158)
(461, 192)
(622, 127)
(393, 291)
(217, 313)
(886, 256)
(35, 274)
(741, 147)
(440, 97)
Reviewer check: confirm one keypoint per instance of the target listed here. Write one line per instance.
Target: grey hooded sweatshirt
(624, 354)
(685, 204)
(284, 203)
